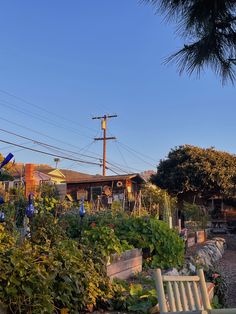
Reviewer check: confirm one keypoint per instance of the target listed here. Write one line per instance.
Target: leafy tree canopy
(207, 172)
(209, 27)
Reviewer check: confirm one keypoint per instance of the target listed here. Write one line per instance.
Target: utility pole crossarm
(106, 116)
(104, 138)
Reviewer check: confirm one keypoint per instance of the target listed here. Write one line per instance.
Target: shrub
(138, 296)
(196, 216)
(24, 277)
(165, 246)
(45, 229)
(104, 241)
(42, 278)
(71, 223)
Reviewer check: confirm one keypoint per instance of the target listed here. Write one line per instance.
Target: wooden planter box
(125, 265)
(196, 237)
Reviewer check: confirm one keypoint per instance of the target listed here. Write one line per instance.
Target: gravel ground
(227, 266)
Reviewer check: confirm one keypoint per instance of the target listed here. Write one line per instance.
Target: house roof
(99, 178)
(74, 175)
(19, 171)
(41, 176)
(71, 176)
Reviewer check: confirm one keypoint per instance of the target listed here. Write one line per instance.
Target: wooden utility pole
(104, 138)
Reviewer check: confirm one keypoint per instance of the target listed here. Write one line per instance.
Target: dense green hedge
(42, 278)
(115, 232)
(49, 270)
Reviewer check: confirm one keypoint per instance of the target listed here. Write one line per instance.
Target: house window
(95, 192)
(82, 194)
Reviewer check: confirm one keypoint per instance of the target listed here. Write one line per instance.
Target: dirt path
(227, 266)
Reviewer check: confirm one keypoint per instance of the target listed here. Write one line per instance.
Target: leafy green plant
(43, 278)
(45, 229)
(220, 288)
(164, 244)
(141, 300)
(157, 201)
(80, 280)
(135, 296)
(195, 215)
(104, 241)
(70, 222)
(25, 277)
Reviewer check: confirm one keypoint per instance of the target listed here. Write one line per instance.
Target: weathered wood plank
(196, 296)
(183, 296)
(190, 296)
(123, 269)
(124, 274)
(171, 297)
(180, 278)
(177, 296)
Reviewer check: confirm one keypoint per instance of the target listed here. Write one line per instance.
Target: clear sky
(72, 60)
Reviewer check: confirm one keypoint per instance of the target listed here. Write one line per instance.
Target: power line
(131, 152)
(114, 164)
(122, 156)
(43, 109)
(55, 148)
(40, 133)
(54, 155)
(128, 148)
(47, 136)
(41, 118)
(46, 145)
(135, 151)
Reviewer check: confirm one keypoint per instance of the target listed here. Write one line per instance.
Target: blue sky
(71, 60)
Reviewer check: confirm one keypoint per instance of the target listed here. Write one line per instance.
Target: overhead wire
(9, 146)
(43, 109)
(135, 151)
(40, 118)
(50, 154)
(40, 133)
(132, 151)
(45, 144)
(137, 156)
(129, 149)
(58, 149)
(121, 154)
(112, 164)
(45, 135)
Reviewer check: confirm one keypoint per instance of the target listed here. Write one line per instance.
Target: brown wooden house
(102, 191)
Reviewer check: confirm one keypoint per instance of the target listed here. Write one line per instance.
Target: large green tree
(204, 172)
(209, 29)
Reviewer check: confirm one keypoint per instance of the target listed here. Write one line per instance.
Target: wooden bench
(185, 294)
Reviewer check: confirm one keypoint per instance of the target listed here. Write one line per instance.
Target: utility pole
(104, 138)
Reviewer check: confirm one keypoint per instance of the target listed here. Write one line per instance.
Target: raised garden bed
(125, 265)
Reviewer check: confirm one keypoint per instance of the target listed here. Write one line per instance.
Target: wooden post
(179, 225)
(205, 299)
(160, 290)
(104, 138)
